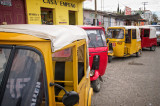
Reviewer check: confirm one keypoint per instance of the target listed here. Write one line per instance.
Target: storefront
(51, 12)
(57, 12)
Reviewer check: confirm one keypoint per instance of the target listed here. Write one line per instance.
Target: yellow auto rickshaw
(44, 65)
(123, 41)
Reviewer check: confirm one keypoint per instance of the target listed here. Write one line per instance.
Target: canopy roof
(130, 27)
(60, 35)
(152, 30)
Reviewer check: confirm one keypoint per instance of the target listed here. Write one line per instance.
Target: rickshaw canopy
(60, 35)
(152, 31)
(133, 27)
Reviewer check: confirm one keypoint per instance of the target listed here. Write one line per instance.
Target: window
(4, 55)
(25, 83)
(47, 16)
(62, 62)
(80, 63)
(146, 32)
(96, 38)
(128, 36)
(72, 18)
(133, 33)
(115, 33)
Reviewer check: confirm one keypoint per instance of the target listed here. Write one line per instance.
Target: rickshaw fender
(96, 75)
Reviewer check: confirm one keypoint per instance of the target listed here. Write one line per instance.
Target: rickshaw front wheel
(138, 54)
(96, 85)
(153, 48)
(109, 59)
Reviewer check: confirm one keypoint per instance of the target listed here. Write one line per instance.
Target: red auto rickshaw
(98, 57)
(148, 37)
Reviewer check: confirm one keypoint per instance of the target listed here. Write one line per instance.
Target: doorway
(72, 18)
(12, 12)
(47, 16)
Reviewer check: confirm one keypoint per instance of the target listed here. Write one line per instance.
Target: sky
(111, 5)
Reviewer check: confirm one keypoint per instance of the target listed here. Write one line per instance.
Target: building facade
(147, 15)
(108, 19)
(51, 12)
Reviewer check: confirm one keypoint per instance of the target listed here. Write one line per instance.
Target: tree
(118, 8)
(155, 18)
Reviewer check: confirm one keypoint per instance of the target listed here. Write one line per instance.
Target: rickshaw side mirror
(69, 98)
(107, 40)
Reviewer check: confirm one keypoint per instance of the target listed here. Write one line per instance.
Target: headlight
(92, 73)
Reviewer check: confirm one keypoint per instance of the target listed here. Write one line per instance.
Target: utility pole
(144, 3)
(96, 12)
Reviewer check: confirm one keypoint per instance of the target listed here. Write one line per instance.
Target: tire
(109, 59)
(96, 85)
(138, 54)
(153, 48)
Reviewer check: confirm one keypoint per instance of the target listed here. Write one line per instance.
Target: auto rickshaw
(40, 66)
(148, 37)
(98, 57)
(123, 41)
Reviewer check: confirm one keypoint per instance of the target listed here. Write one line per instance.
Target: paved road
(131, 81)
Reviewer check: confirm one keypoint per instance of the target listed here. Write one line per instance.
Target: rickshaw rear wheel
(138, 54)
(109, 59)
(96, 85)
(153, 48)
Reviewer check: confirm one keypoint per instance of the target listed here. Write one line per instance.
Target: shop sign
(62, 3)
(34, 17)
(66, 4)
(50, 1)
(6, 2)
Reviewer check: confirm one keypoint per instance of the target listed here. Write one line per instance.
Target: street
(131, 81)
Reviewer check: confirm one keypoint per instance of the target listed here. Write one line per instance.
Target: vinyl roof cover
(60, 35)
(152, 31)
(132, 27)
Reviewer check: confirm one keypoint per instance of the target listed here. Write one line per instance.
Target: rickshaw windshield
(115, 33)
(96, 38)
(24, 84)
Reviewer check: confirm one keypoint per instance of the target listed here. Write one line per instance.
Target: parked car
(40, 66)
(148, 37)
(123, 41)
(98, 57)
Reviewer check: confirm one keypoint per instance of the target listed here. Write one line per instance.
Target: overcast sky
(111, 5)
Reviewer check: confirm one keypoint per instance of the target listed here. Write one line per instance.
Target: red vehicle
(98, 57)
(148, 37)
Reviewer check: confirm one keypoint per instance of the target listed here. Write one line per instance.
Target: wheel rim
(98, 83)
(140, 52)
(154, 47)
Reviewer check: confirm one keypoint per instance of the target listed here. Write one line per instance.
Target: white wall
(106, 21)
